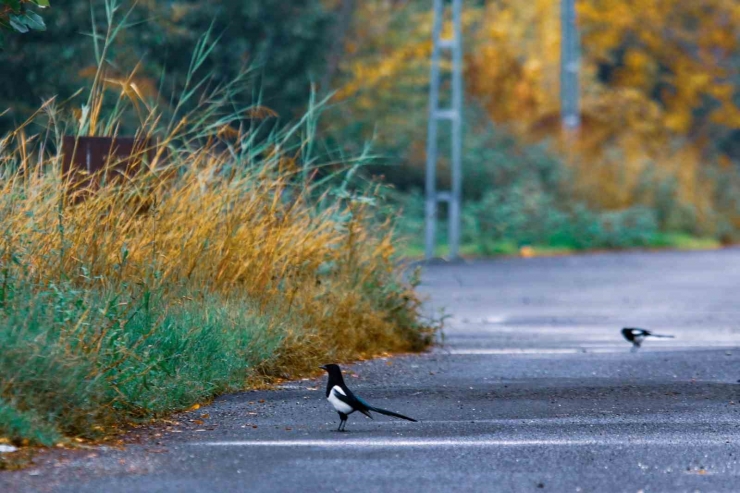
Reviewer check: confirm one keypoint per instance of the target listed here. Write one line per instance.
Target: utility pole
(570, 62)
(453, 114)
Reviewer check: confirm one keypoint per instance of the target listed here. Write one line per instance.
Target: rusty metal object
(89, 162)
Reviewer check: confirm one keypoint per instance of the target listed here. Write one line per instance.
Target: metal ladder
(453, 114)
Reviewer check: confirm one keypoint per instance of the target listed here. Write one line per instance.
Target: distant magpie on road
(636, 336)
(345, 402)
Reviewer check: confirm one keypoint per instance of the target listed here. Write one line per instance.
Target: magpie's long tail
(391, 413)
(663, 336)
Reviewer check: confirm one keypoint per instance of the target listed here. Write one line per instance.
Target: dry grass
(203, 231)
(233, 254)
(250, 232)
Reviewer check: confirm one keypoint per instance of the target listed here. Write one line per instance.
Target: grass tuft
(231, 255)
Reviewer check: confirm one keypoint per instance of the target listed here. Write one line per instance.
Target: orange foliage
(648, 67)
(656, 79)
(664, 56)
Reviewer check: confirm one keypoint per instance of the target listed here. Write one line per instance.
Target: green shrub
(518, 194)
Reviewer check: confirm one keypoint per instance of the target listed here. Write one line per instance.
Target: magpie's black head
(335, 374)
(332, 369)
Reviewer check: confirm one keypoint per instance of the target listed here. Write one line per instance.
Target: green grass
(73, 366)
(412, 249)
(682, 241)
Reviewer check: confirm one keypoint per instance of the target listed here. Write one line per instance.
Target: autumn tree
(659, 85)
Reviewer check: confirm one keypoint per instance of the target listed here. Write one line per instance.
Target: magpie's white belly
(639, 339)
(339, 406)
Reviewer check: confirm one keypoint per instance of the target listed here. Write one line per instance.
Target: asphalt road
(534, 390)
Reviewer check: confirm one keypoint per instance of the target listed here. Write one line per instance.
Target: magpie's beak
(323, 367)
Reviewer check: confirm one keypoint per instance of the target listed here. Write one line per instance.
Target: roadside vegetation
(525, 199)
(235, 255)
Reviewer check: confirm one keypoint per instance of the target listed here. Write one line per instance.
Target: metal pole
(454, 115)
(431, 166)
(457, 107)
(570, 111)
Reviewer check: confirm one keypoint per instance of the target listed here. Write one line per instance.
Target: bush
(233, 255)
(518, 194)
(154, 294)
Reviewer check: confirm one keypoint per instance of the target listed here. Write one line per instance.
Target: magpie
(345, 402)
(636, 336)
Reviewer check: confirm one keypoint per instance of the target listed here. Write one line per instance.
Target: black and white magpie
(345, 402)
(636, 336)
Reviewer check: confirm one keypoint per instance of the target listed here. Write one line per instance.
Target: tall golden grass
(215, 232)
(207, 220)
(230, 219)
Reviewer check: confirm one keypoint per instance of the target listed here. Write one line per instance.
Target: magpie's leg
(635, 347)
(343, 422)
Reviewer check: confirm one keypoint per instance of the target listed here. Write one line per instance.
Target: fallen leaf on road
(526, 252)
(195, 407)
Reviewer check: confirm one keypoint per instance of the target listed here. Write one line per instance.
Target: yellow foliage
(647, 67)
(246, 237)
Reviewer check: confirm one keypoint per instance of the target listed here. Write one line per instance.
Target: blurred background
(654, 164)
